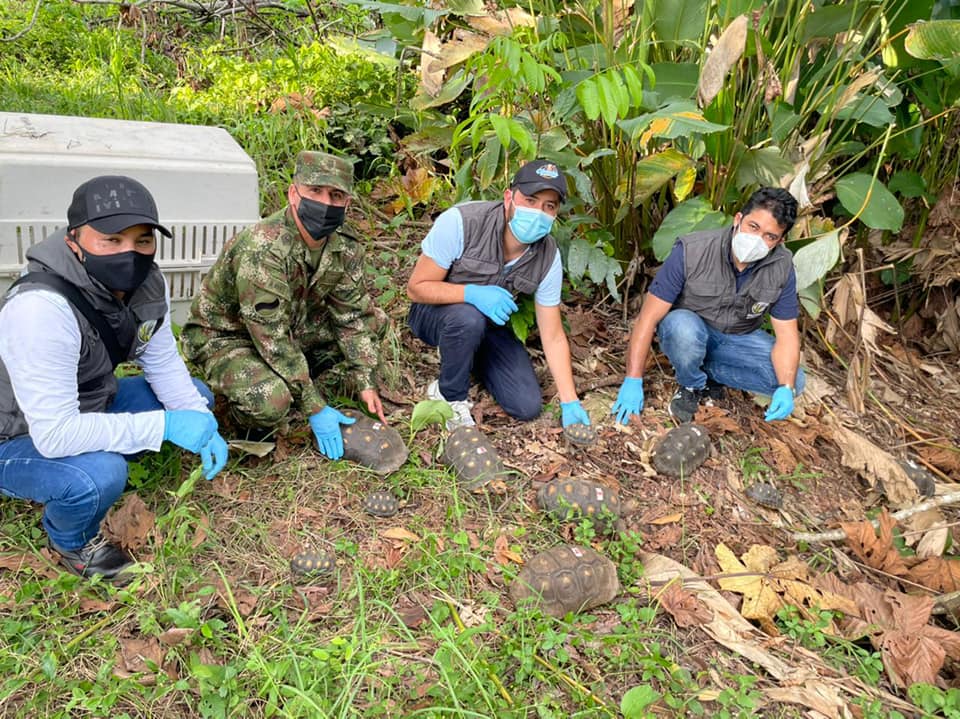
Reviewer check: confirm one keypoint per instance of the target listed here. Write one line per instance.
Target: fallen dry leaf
(174, 636)
(400, 533)
(502, 553)
(137, 656)
(129, 523)
(944, 459)
(760, 600)
(875, 465)
(717, 421)
(18, 561)
(933, 543)
(683, 606)
(90, 605)
(876, 551)
(937, 573)
(668, 519)
(897, 625)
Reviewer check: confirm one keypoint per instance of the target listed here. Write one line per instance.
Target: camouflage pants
(257, 397)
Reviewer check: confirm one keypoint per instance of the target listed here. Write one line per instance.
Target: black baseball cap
(540, 175)
(111, 204)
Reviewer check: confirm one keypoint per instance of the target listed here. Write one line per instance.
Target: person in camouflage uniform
(284, 301)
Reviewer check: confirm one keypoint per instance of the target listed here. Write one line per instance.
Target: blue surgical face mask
(529, 225)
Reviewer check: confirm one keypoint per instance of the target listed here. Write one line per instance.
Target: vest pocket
(522, 285)
(757, 302)
(477, 267)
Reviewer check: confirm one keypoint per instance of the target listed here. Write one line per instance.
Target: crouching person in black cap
(477, 259)
(92, 298)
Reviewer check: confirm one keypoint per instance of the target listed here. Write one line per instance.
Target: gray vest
(482, 260)
(710, 285)
(133, 322)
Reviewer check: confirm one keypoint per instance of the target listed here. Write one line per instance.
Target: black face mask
(123, 272)
(319, 219)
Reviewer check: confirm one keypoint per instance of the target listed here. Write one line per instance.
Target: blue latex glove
(573, 413)
(189, 429)
(629, 399)
(326, 428)
(781, 404)
(214, 456)
(494, 301)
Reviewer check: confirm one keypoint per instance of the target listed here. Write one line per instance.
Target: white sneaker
(461, 408)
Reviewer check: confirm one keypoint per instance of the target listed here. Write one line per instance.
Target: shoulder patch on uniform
(266, 306)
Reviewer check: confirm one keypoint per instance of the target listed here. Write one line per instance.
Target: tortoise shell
(582, 435)
(682, 450)
(372, 444)
(574, 499)
(475, 461)
(926, 483)
(566, 578)
(381, 504)
(318, 561)
(765, 494)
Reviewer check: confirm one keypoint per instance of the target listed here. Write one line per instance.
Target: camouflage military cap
(320, 168)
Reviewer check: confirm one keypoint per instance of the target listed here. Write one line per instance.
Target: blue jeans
(76, 491)
(698, 351)
(469, 342)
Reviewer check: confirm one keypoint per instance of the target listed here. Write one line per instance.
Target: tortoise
(580, 435)
(926, 484)
(765, 494)
(381, 504)
(314, 562)
(474, 461)
(573, 499)
(566, 578)
(682, 450)
(371, 443)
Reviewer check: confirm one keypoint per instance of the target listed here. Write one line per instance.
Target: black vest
(133, 323)
(482, 260)
(710, 285)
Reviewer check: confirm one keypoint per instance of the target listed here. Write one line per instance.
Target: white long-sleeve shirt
(40, 347)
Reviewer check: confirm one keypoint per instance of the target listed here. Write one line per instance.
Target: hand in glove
(214, 456)
(189, 428)
(629, 399)
(326, 428)
(781, 404)
(573, 413)
(492, 300)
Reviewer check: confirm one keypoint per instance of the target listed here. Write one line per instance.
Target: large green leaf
(881, 211)
(810, 297)
(679, 21)
(815, 259)
(675, 80)
(466, 7)
(654, 171)
(430, 411)
(829, 20)
(763, 166)
(690, 216)
(908, 183)
(678, 119)
(934, 40)
(868, 109)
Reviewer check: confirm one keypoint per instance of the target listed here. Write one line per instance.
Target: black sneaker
(98, 556)
(713, 390)
(684, 404)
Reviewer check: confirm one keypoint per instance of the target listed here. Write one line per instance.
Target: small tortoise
(373, 444)
(319, 561)
(381, 504)
(926, 484)
(565, 579)
(581, 435)
(765, 494)
(573, 499)
(682, 450)
(475, 462)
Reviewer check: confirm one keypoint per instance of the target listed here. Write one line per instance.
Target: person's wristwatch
(790, 387)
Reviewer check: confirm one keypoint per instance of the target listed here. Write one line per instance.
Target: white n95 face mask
(749, 248)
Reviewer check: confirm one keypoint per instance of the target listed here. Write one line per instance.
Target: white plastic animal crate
(204, 184)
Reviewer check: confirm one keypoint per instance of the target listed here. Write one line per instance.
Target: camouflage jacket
(263, 289)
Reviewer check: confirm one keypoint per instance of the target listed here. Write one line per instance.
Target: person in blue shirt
(707, 304)
(477, 259)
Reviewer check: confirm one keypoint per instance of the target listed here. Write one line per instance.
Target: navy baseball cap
(540, 175)
(111, 204)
